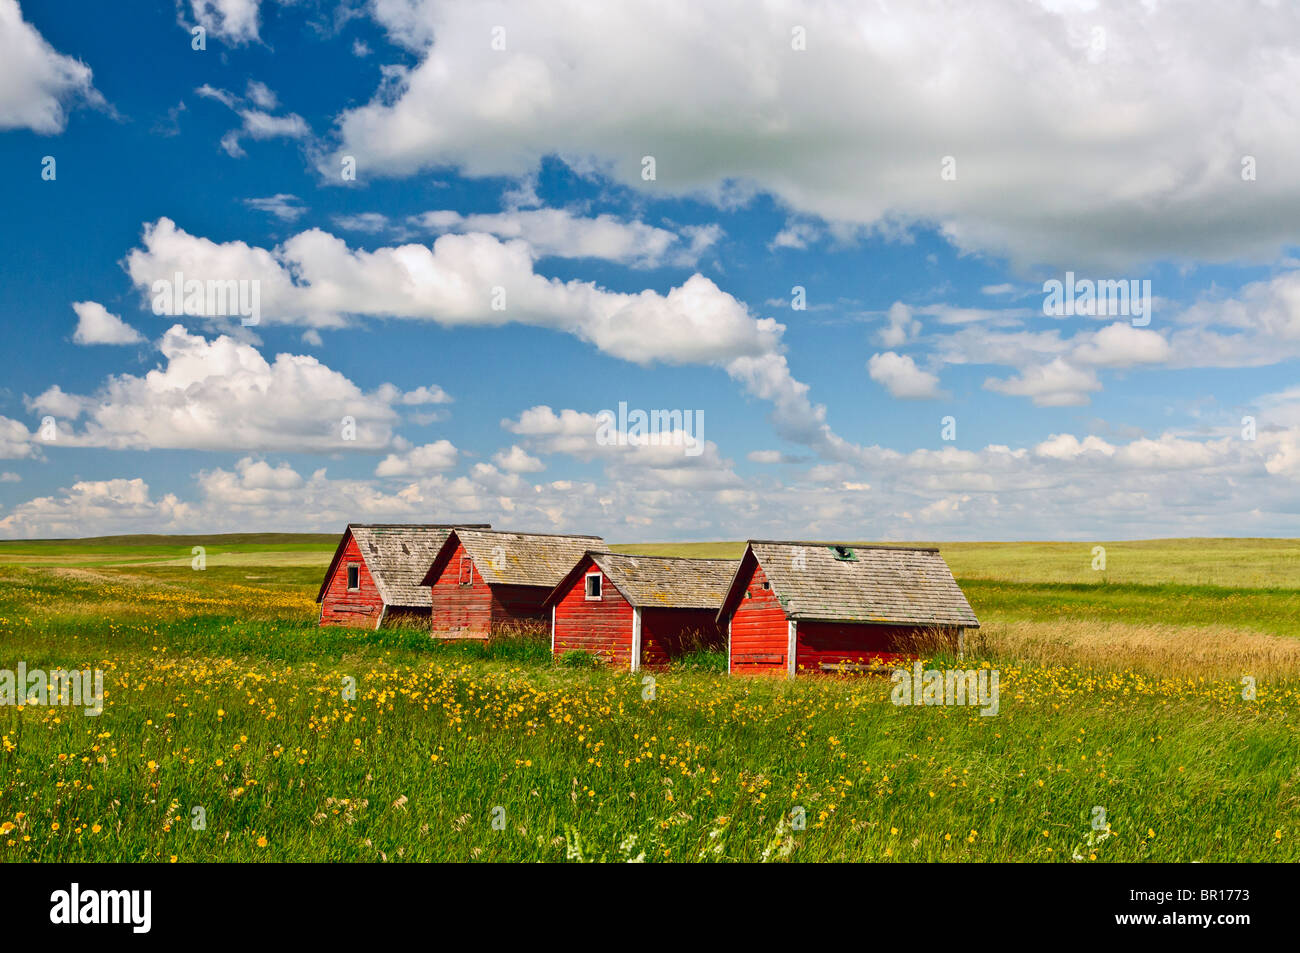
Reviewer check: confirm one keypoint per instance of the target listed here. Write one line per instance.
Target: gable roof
(514, 559)
(667, 582)
(395, 554)
(880, 584)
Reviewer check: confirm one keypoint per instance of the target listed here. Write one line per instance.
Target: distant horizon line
(305, 536)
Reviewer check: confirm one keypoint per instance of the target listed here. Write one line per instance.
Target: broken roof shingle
(844, 582)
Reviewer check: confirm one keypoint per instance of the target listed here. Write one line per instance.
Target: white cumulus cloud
(96, 325)
(561, 233)
(314, 278)
(37, 83)
(899, 375)
(222, 394)
(1042, 125)
(430, 458)
(235, 21)
(1054, 384)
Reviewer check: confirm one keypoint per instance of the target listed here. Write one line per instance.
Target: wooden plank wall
(759, 631)
(340, 607)
(603, 628)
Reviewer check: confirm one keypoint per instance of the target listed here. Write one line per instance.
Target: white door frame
(636, 638)
(792, 646)
(728, 645)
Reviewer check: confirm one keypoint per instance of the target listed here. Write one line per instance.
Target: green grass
(583, 765)
(1275, 611)
(160, 542)
(227, 665)
(219, 549)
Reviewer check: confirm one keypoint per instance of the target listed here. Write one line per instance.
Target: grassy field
(1120, 690)
(276, 549)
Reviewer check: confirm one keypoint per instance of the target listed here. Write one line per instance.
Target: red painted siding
(836, 642)
(341, 607)
(667, 633)
(466, 606)
(601, 627)
(462, 601)
(759, 629)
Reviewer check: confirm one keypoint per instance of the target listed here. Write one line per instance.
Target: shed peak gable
(665, 582)
(395, 555)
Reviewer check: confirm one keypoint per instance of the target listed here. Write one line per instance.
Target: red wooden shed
(639, 610)
(836, 606)
(374, 577)
(486, 581)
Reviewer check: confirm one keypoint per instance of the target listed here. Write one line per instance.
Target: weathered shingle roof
(906, 586)
(515, 559)
(397, 555)
(668, 581)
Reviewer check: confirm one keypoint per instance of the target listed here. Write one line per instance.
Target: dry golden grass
(95, 577)
(1153, 648)
(319, 558)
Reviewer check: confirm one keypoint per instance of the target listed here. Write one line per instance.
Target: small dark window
(767, 585)
(593, 585)
(844, 553)
(354, 578)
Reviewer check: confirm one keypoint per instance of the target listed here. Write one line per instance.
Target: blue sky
(503, 146)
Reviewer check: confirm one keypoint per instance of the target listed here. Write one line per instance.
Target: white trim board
(792, 646)
(729, 645)
(636, 638)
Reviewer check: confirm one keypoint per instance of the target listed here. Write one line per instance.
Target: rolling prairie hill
(1231, 563)
(284, 549)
